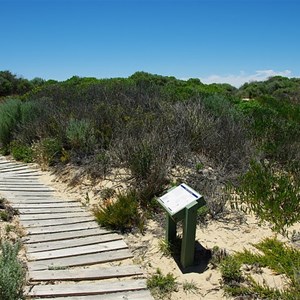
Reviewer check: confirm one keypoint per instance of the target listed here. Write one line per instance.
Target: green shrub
(45, 151)
(10, 116)
(140, 161)
(162, 285)
(4, 216)
(231, 270)
(122, 214)
(21, 152)
(272, 194)
(12, 275)
(276, 256)
(80, 135)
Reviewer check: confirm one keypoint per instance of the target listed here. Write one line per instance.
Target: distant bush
(12, 275)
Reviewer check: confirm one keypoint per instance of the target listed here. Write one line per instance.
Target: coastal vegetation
(242, 143)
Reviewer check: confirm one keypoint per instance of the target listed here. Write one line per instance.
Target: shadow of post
(201, 258)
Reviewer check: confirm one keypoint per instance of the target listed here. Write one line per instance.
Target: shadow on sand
(201, 258)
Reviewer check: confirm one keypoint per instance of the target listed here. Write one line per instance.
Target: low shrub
(12, 275)
(80, 135)
(231, 270)
(45, 151)
(274, 255)
(162, 285)
(122, 214)
(10, 116)
(21, 152)
(271, 193)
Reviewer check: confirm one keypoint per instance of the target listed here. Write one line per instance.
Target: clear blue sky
(214, 40)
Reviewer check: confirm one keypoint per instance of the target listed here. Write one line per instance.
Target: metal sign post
(182, 203)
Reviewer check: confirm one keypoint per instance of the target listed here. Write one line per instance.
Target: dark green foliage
(272, 194)
(21, 152)
(80, 135)
(122, 214)
(279, 87)
(12, 275)
(10, 116)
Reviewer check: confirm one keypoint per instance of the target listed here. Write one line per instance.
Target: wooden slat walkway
(69, 256)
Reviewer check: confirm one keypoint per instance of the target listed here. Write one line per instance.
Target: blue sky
(214, 40)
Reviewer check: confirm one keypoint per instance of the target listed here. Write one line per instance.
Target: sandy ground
(232, 233)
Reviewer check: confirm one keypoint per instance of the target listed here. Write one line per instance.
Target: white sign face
(178, 198)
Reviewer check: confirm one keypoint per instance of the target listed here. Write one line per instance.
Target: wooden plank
(26, 189)
(53, 216)
(80, 260)
(63, 235)
(65, 221)
(80, 250)
(46, 205)
(68, 243)
(27, 180)
(16, 183)
(13, 168)
(50, 210)
(85, 274)
(44, 200)
(19, 172)
(80, 289)
(133, 295)
(62, 228)
(33, 195)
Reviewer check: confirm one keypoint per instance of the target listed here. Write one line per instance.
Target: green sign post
(182, 203)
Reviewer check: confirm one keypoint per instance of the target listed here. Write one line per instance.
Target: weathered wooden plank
(98, 288)
(133, 295)
(13, 168)
(62, 228)
(50, 210)
(53, 216)
(32, 195)
(63, 235)
(46, 205)
(80, 250)
(85, 274)
(44, 200)
(68, 243)
(65, 221)
(26, 179)
(24, 171)
(16, 183)
(26, 189)
(80, 260)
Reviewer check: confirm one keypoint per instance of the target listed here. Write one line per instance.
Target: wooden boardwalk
(69, 256)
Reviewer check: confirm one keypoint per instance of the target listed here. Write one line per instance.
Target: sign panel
(178, 198)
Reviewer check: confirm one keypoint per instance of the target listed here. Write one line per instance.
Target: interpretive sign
(182, 203)
(178, 198)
